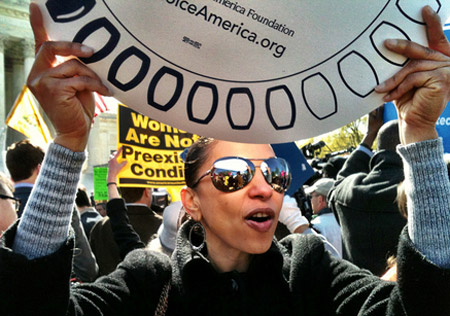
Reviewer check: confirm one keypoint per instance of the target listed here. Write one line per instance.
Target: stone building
(16, 59)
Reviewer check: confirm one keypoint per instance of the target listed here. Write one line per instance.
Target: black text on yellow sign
(152, 150)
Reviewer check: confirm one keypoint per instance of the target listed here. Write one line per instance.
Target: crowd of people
(214, 252)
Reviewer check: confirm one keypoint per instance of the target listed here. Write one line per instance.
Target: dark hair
(388, 136)
(195, 158)
(22, 158)
(333, 166)
(82, 199)
(132, 195)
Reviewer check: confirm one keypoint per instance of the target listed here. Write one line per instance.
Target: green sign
(100, 188)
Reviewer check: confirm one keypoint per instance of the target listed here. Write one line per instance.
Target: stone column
(2, 78)
(2, 103)
(28, 56)
(18, 79)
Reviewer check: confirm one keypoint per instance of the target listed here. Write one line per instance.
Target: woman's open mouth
(260, 220)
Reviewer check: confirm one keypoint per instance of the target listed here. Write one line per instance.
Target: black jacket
(143, 220)
(294, 277)
(364, 202)
(22, 193)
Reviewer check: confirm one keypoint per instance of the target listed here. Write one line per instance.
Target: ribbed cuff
(45, 223)
(427, 186)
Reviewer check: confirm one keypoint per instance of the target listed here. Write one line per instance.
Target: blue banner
(300, 168)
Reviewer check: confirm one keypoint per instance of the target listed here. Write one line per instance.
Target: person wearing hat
(324, 220)
(167, 231)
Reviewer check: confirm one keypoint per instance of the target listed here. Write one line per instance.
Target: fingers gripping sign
(436, 38)
(63, 90)
(421, 89)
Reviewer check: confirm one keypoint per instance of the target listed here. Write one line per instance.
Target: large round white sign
(254, 71)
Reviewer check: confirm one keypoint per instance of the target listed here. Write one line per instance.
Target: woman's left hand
(421, 90)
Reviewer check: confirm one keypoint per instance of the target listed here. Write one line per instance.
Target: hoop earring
(197, 230)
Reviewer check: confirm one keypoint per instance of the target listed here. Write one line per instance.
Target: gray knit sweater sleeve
(45, 223)
(427, 187)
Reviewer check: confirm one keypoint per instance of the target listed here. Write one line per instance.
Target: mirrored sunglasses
(229, 174)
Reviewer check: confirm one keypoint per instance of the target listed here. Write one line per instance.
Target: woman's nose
(259, 188)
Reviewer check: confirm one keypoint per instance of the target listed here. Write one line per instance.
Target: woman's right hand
(64, 90)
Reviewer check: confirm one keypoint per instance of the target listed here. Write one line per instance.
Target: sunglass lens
(276, 172)
(231, 174)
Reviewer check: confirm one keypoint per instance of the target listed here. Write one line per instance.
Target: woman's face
(242, 221)
(8, 213)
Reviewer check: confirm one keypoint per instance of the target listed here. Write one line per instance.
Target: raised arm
(358, 161)
(114, 167)
(123, 232)
(64, 91)
(421, 91)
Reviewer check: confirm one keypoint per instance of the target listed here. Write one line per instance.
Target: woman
(9, 205)
(231, 266)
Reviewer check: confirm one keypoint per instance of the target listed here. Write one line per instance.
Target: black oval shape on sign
(176, 95)
(291, 103)
(63, 11)
(92, 27)
(215, 101)
(113, 70)
(355, 65)
(247, 92)
(397, 60)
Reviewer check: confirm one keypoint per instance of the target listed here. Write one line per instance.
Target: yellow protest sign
(152, 150)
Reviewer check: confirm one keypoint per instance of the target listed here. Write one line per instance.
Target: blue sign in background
(443, 123)
(299, 166)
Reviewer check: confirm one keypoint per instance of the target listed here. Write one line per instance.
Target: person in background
(167, 231)
(295, 223)
(101, 208)
(128, 240)
(226, 261)
(23, 160)
(364, 195)
(291, 219)
(135, 204)
(324, 221)
(333, 166)
(88, 214)
(84, 267)
(9, 205)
